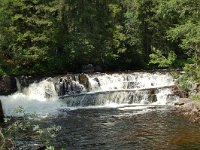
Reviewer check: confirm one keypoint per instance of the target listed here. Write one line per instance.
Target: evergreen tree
(27, 30)
(63, 35)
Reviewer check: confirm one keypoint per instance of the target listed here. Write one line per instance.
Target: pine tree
(28, 28)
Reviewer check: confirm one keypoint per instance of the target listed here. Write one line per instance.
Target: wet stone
(83, 79)
(8, 85)
(153, 98)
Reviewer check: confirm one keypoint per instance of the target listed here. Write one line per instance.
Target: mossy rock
(83, 79)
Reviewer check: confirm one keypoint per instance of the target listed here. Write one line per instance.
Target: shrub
(27, 124)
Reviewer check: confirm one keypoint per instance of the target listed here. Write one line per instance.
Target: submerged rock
(8, 85)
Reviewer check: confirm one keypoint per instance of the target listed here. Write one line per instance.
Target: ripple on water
(116, 129)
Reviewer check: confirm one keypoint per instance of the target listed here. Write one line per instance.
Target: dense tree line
(38, 36)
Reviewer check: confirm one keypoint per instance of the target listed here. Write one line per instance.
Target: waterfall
(49, 95)
(38, 97)
(124, 88)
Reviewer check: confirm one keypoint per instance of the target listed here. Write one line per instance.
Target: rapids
(49, 96)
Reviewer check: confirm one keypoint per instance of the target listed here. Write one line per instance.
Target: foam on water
(29, 104)
(107, 82)
(38, 98)
(104, 92)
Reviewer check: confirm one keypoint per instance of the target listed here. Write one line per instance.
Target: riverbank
(189, 108)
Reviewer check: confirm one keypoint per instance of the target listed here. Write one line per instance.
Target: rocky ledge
(7, 85)
(189, 108)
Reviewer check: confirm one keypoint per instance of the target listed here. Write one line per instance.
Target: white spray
(104, 90)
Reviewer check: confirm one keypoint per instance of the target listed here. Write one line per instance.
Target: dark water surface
(113, 129)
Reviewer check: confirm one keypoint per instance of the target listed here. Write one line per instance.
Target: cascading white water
(37, 98)
(107, 82)
(52, 94)
(124, 88)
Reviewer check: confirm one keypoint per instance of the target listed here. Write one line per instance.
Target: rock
(8, 85)
(83, 79)
(41, 147)
(62, 85)
(152, 91)
(98, 69)
(182, 101)
(179, 92)
(189, 108)
(71, 84)
(25, 81)
(88, 68)
(1, 113)
(153, 98)
(179, 104)
(180, 68)
(97, 80)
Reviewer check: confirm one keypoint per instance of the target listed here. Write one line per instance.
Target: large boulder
(189, 108)
(7, 85)
(70, 84)
(83, 79)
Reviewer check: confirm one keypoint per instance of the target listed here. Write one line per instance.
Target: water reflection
(117, 129)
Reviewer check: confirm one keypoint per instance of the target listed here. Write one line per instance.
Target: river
(107, 111)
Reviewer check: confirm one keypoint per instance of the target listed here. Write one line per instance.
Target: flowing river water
(107, 111)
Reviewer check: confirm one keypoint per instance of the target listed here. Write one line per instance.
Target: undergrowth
(26, 123)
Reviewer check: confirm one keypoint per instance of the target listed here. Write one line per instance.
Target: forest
(57, 36)
(40, 38)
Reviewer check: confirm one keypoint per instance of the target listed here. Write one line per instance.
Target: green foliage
(2, 72)
(41, 36)
(50, 148)
(78, 48)
(27, 125)
(174, 74)
(157, 57)
(26, 31)
(184, 82)
(190, 77)
(196, 97)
